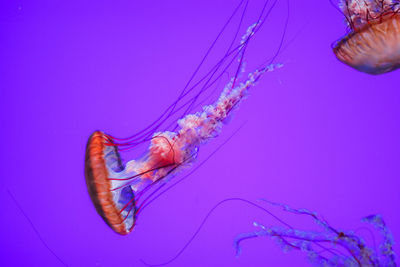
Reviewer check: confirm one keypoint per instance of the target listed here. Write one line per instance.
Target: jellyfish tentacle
(359, 253)
(32, 225)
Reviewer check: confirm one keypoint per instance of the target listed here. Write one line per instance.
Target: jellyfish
(372, 44)
(121, 191)
(329, 246)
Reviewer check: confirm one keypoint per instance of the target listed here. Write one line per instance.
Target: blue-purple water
(319, 135)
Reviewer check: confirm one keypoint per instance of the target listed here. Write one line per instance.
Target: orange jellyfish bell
(100, 161)
(373, 44)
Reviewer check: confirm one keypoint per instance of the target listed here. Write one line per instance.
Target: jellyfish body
(100, 162)
(329, 246)
(373, 42)
(120, 191)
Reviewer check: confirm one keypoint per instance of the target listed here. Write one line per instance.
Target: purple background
(319, 134)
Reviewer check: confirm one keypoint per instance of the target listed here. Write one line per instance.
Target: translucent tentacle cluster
(179, 148)
(329, 247)
(387, 256)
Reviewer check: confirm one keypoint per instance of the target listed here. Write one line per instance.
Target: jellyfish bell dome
(115, 206)
(373, 48)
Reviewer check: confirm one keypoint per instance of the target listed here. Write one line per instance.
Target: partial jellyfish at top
(372, 44)
(120, 191)
(326, 245)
